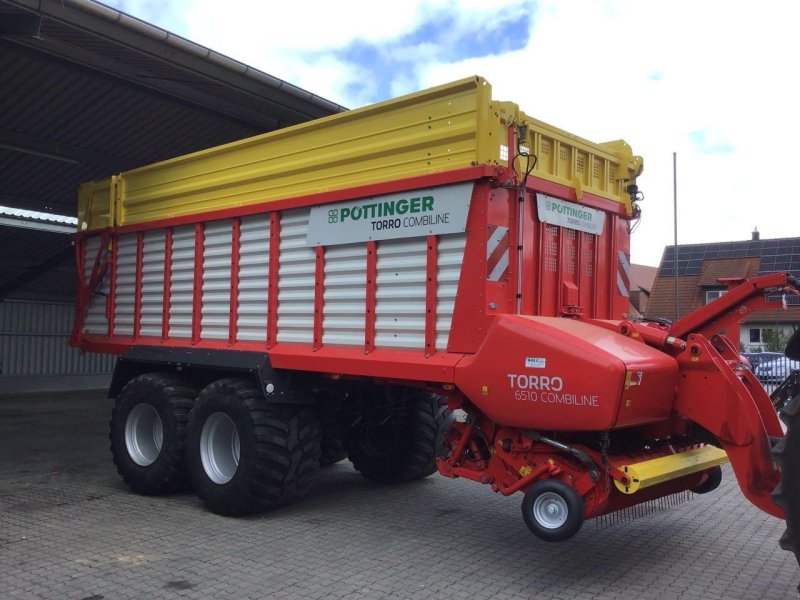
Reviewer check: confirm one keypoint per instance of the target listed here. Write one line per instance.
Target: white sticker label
(535, 362)
(570, 215)
(414, 213)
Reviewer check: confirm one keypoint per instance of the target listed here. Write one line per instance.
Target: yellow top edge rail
(443, 128)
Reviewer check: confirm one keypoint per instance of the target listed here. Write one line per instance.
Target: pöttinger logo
(333, 215)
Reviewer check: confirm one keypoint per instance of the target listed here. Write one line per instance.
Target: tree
(775, 340)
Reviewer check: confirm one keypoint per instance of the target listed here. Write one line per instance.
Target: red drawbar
(197, 289)
(234, 298)
(167, 284)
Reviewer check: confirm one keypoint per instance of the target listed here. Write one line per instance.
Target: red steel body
(539, 339)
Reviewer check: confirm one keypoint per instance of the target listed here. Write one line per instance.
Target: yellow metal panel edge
(658, 470)
(162, 190)
(95, 204)
(619, 153)
(277, 165)
(323, 122)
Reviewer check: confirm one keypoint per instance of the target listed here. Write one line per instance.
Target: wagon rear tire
(246, 455)
(552, 510)
(148, 432)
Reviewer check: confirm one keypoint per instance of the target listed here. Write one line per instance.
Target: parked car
(776, 370)
(756, 358)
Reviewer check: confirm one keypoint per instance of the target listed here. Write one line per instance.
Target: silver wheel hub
(219, 448)
(144, 434)
(550, 510)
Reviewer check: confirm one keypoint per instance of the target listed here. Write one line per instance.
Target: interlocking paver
(70, 529)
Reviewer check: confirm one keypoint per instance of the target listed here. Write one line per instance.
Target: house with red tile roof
(705, 272)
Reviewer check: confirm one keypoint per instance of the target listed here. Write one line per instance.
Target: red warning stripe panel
(623, 273)
(497, 252)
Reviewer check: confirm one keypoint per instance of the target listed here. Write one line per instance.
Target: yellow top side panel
(439, 129)
(426, 132)
(602, 169)
(96, 203)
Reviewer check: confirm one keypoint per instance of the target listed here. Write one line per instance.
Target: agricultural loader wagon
(339, 288)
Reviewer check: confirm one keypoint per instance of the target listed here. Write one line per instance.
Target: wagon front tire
(246, 455)
(552, 510)
(148, 432)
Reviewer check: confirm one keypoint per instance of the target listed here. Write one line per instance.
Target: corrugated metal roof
(90, 91)
(21, 213)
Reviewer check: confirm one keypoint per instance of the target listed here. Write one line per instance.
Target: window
(755, 336)
(713, 294)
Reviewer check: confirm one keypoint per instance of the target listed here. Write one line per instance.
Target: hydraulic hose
(576, 452)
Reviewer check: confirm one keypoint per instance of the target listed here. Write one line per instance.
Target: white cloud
(653, 73)
(713, 80)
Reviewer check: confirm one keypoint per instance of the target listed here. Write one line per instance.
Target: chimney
(756, 235)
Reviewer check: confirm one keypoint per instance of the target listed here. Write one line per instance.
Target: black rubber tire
(787, 492)
(710, 484)
(571, 500)
(279, 449)
(172, 397)
(401, 446)
(332, 450)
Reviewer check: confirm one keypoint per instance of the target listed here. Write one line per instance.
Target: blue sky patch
(440, 38)
(706, 142)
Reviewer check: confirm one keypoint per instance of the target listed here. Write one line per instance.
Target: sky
(714, 81)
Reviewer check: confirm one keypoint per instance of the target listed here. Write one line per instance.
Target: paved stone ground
(69, 529)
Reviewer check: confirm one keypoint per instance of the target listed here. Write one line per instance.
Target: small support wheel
(711, 483)
(552, 510)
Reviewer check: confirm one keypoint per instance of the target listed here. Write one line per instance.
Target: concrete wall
(34, 355)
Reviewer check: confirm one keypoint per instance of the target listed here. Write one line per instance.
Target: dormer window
(713, 294)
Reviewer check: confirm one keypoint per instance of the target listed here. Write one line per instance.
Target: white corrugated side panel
(295, 279)
(344, 295)
(400, 293)
(253, 278)
(216, 298)
(95, 318)
(33, 341)
(126, 284)
(450, 256)
(152, 283)
(181, 281)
